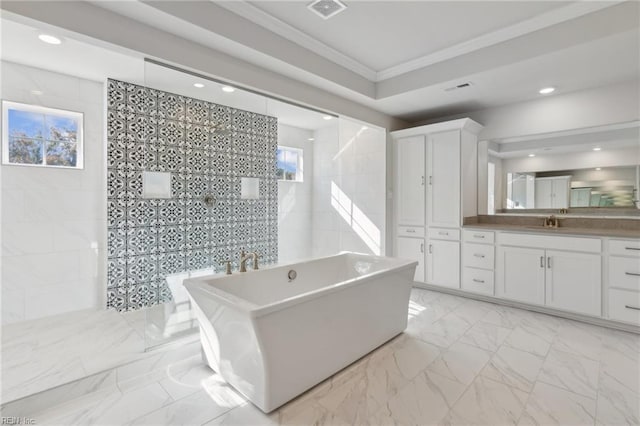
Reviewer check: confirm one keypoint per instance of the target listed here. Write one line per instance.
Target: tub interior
(272, 285)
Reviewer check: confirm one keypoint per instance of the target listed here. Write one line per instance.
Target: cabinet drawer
(444, 234)
(473, 236)
(478, 255)
(410, 231)
(593, 245)
(624, 306)
(625, 247)
(624, 272)
(477, 280)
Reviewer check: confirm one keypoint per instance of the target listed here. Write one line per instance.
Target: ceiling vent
(459, 86)
(326, 8)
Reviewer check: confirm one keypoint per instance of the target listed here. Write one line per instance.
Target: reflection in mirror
(593, 170)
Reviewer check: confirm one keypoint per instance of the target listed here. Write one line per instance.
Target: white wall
(294, 199)
(617, 103)
(349, 193)
(53, 220)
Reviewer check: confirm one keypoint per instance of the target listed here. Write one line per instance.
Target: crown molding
(281, 28)
(545, 20)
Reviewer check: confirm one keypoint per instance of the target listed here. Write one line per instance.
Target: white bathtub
(272, 339)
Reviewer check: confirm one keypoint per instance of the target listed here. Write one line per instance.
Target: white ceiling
(383, 34)
(398, 56)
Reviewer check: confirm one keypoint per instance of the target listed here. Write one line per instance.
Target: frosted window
(38, 136)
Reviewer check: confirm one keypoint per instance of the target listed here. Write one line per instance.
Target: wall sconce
(249, 188)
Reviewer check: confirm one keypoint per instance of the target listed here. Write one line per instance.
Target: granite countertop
(539, 229)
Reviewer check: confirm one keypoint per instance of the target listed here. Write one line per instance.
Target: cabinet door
(520, 274)
(560, 193)
(410, 180)
(544, 191)
(443, 263)
(574, 281)
(443, 192)
(412, 248)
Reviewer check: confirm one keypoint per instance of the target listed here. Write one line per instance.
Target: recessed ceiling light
(37, 92)
(198, 85)
(47, 38)
(532, 155)
(598, 168)
(327, 117)
(228, 89)
(547, 90)
(597, 148)
(311, 139)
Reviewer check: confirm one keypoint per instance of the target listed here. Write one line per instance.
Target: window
(38, 136)
(289, 161)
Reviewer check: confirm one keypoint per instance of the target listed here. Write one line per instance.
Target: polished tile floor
(459, 362)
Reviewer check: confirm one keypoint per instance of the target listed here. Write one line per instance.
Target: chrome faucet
(243, 260)
(551, 222)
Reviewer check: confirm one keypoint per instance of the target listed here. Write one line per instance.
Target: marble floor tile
(487, 402)
(515, 368)
(549, 405)
(114, 409)
(460, 363)
(486, 336)
(426, 400)
(616, 404)
(185, 378)
(444, 332)
(580, 339)
(246, 414)
(504, 316)
(571, 372)
(195, 409)
(529, 339)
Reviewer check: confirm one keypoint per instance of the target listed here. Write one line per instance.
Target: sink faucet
(551, 222)
(243, 260)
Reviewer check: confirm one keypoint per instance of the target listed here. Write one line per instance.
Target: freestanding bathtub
(272, 337)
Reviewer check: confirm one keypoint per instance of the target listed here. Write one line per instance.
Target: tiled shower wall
(207, 148)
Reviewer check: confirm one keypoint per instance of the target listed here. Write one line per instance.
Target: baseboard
(540, 309)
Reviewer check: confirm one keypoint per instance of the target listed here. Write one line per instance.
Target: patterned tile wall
(207, 148)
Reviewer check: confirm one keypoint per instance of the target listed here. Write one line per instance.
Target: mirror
(588, 171)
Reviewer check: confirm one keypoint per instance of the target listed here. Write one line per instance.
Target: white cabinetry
(624, 280)
(436, 187)
(558, 272)
(412, 248)
(410, 175)
(552, 192)
(443, 170)
(520, 274)
(478, 261)
(443, 257)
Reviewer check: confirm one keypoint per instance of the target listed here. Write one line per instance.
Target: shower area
(174, 173)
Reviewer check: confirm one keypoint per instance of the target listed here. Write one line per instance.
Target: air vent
(459, 86)
(327, 8)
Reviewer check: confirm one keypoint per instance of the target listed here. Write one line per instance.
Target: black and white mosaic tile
(207, 148)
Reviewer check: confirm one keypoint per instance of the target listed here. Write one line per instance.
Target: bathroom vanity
(588, 268)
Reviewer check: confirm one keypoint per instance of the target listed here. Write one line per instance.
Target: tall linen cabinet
(435, 187)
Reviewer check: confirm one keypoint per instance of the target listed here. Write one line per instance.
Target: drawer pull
(633, 273)
(632, 248)
(411, 231)
(475, 280)
(421, 247)
(443, 233)
(478, 236)
(479, 255)
(632, 307)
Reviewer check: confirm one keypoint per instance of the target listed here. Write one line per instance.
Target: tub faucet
(243, 260)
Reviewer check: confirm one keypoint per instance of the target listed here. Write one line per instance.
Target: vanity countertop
(571, 230)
